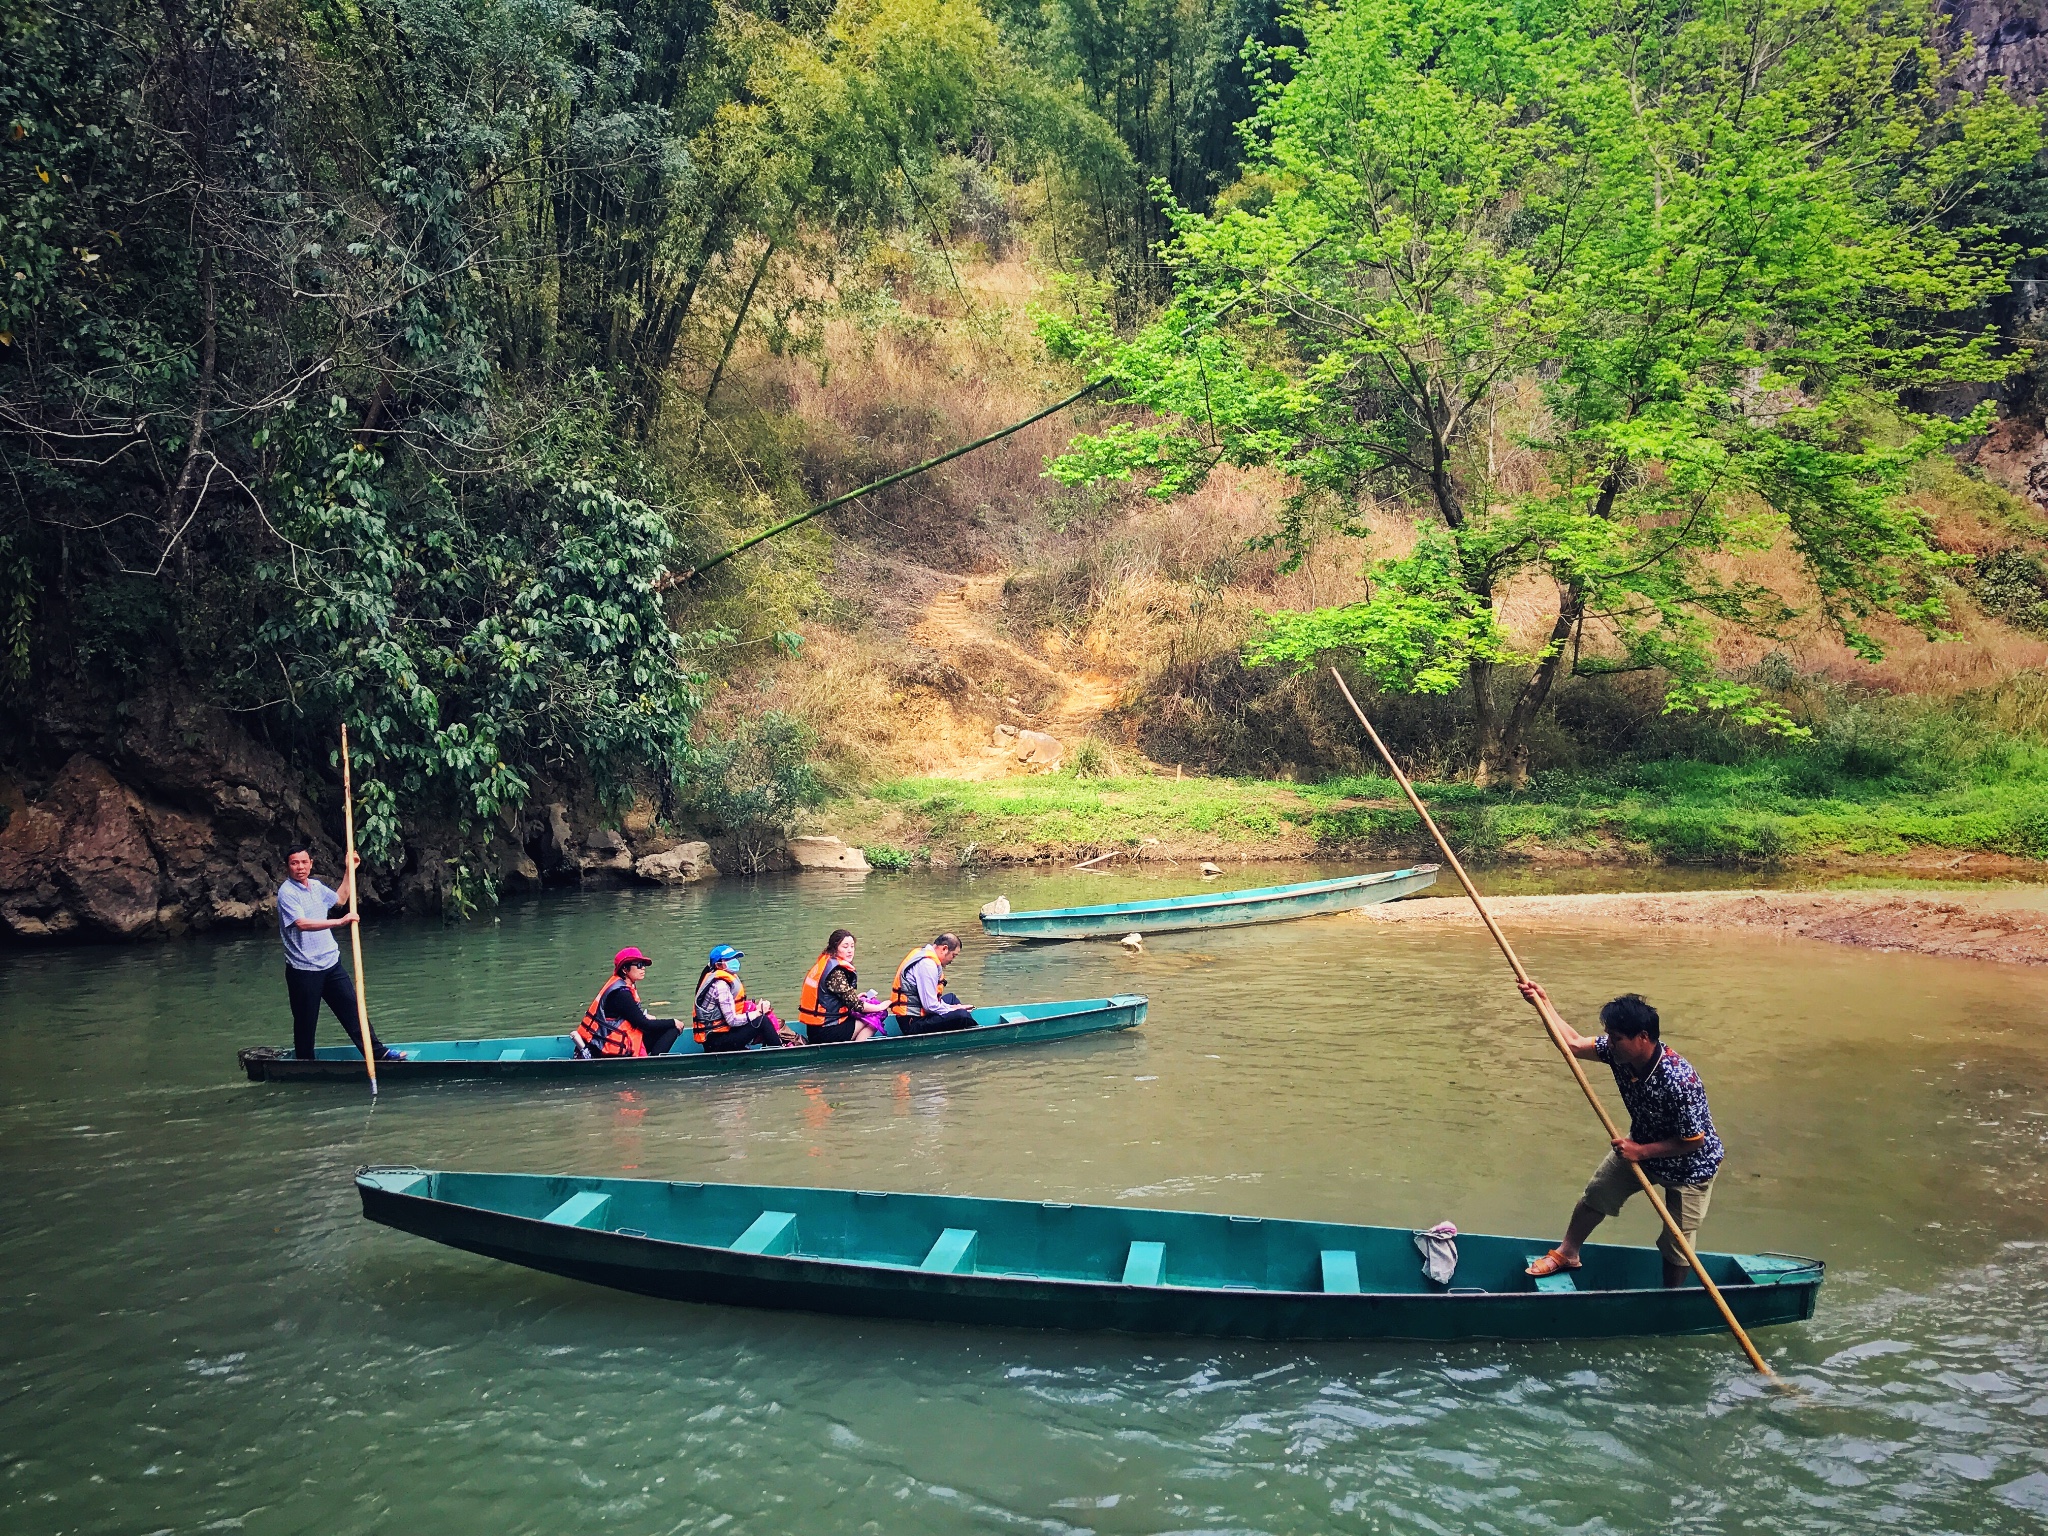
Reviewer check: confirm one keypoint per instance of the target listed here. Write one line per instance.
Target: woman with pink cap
(615, 1023)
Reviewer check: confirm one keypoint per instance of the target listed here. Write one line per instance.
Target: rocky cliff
(2011, 39)
(174, 818)
(180, 820)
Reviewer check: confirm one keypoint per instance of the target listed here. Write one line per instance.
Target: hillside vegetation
(406, 368)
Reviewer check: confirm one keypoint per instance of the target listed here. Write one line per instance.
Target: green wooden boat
(1221, 909)
(1029, 1264)
(526, 1056)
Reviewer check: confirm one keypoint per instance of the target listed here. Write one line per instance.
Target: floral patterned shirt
(1667, 1102)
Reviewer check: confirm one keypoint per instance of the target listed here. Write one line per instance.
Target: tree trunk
(731, 340)
(1486, 719)
(1510, 757)
(174, 516)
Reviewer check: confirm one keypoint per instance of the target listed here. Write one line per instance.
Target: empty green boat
(1049, 1264)
(1220, 909)
(525, 1056)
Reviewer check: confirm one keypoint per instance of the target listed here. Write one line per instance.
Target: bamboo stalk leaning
(355, 929)
(1551, 1027)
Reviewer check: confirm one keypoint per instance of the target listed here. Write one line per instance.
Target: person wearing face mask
(1670, 1134)
(722, 1019)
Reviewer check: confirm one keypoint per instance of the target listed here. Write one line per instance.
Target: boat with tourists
(530, 1056)
(1205, 909)
(1053, 1264)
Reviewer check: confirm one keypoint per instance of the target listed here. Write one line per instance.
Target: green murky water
(198, 1332)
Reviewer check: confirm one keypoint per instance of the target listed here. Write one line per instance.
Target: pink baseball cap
(626, 957)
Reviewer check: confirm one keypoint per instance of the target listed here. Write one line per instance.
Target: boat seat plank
(953, 1253)
(1773, 1269)
(1013, 1016)
(512, 1055)
(582, 1210)
(773, 1232)
(1563, 1280)
(1144, 1263)
(1340, 1272)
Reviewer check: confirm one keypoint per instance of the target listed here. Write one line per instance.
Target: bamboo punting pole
(1552, 1025)
(355, 929)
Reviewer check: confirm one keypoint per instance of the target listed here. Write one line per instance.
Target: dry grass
(1155, 599)
(880, 399)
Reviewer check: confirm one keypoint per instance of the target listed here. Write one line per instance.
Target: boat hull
(1232, 909)
(551, 1056)
(866, 1263)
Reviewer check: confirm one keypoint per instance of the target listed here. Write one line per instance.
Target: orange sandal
(1552, 1263)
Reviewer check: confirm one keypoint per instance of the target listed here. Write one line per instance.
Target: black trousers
(309, 989)
(831, 1034)
(749, 1032)
(663, 1035)
(934, 1023)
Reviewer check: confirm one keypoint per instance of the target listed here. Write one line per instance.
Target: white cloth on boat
(1439, 1247)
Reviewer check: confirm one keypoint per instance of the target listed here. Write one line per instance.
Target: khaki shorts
(1614, 1181)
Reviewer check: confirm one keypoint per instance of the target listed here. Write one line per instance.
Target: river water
(199, 1333)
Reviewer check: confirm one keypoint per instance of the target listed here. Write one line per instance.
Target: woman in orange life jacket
(722, 1019)
(615, 1023)
(830, 1006)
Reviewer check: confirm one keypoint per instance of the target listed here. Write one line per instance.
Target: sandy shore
(2012, 930)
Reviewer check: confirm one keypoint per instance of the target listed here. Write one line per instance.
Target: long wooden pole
(1553, 1025)
(355, 929)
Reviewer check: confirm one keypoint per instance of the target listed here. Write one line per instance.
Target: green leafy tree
(755, 783)
(1168, 79)
(331, 339)
(476, 641)
(1685, 262)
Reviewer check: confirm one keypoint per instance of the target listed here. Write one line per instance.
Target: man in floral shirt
(1670, 1133)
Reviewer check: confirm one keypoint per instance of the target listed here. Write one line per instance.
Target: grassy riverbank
(1765, 811)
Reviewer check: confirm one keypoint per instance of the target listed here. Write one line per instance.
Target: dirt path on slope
(952, 626)
(1974, 927)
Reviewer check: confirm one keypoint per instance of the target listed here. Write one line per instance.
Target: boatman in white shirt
(312, 961)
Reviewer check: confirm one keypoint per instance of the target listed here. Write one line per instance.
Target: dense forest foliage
(356, 362)
(1690, 267)
(338, 341)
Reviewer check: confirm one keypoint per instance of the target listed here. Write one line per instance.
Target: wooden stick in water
(1551, 1024)
(355, 929)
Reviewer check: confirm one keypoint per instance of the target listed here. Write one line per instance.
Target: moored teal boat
(526, 1056)
(1049, 1264)
(1206, 909)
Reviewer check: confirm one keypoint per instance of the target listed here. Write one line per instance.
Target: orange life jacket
(904, 1004)
(610, 1037)
(705, 1019)
(818, 1008)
